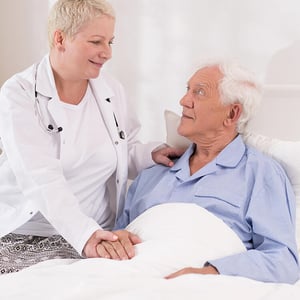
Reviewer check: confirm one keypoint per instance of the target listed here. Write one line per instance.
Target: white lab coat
(31, 175)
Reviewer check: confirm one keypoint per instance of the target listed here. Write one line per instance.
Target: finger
(135, 239)
(129, 247)
(106, 236)
(173, 152)
(122, 249)
(111, 249)
(102, 252)
(165, 161)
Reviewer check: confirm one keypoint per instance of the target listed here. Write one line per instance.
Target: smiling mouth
(99, 65)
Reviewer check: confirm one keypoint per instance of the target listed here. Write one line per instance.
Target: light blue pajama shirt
(248, 190)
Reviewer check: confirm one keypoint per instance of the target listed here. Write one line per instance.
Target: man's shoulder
(155, 170)
(263, 160)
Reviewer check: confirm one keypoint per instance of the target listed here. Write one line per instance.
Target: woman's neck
(69, 90)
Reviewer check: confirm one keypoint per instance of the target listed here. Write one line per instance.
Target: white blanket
(174, 236)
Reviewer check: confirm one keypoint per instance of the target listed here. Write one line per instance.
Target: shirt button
(31, 213)
(118, 181)
(116, 143)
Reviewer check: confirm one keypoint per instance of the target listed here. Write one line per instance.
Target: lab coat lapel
(45, 86)
(103, 95)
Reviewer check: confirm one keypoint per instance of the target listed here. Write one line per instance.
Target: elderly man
(249, 191)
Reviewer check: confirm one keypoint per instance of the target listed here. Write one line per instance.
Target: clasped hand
(120, 245)
(112, 245)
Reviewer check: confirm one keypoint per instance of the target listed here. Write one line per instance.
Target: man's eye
(200, 92)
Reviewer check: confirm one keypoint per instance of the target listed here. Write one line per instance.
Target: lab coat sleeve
(31, 153)
(274, 254)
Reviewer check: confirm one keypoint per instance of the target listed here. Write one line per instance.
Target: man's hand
(164, 155)
(122, 248)
(90, 248)
(205, 270)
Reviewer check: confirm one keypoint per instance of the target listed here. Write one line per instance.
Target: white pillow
(178, 235)
(173, 138)
(287, 153)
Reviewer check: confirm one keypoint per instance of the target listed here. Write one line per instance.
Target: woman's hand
(165, 155)
(90, 248)
(122, 248)
(113, 245)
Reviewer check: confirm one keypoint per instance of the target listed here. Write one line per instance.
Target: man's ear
(235, 111)
(59, 40)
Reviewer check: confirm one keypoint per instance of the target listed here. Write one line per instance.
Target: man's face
(203, 114)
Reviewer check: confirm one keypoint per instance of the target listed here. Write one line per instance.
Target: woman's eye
(100, 42)
(95, 42)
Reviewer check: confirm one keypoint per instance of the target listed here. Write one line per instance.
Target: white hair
(238, 85)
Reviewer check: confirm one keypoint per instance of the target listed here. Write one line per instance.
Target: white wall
(22, 34)
(159, 43)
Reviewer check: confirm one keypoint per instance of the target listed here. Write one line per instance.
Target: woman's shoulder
(20, 80)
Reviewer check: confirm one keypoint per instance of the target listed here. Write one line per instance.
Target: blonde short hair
(70, 15)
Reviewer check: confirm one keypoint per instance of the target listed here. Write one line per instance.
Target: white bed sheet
(164, 250)
(96, 279)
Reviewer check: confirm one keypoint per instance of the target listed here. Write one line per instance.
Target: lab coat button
(116, 143)
(31, 212)
(118, 181)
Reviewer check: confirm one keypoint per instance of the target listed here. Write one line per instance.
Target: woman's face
(86, 53)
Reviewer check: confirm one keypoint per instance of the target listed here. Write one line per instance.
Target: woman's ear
(59, 40)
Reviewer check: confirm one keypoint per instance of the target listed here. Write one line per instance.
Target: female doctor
(69, 143)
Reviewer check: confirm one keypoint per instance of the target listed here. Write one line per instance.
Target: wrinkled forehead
(207, 76)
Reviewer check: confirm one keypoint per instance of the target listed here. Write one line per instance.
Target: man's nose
(187, 101)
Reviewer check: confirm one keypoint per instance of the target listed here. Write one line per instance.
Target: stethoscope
(120, 132)
(52, 129)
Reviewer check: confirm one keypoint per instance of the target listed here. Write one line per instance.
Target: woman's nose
(106, 52)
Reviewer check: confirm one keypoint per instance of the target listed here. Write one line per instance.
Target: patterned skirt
(19, 251)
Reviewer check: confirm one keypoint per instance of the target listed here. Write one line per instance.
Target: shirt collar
(229, 157)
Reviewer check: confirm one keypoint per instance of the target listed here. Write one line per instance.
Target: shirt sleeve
(271, 218)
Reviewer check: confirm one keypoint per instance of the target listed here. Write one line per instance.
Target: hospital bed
(276, 131)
